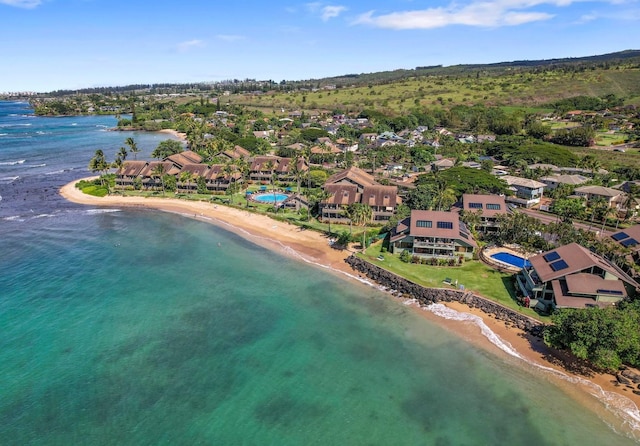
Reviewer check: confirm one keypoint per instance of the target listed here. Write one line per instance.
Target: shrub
(405, 256)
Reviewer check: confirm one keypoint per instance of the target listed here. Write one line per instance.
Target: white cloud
(230, 37)
(480, 13)
(183, 47)
(27, 4)
(326, 12)
(329, 12)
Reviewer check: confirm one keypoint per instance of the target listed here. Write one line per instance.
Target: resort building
(236, 153)
(553, 181)
(432, 234)
(265, 168)
(571, 276)
(182, 158)
(527, 192)
(489, 207)
(614, 197)
(354, 185)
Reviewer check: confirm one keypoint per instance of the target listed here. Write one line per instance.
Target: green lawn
(473, 274)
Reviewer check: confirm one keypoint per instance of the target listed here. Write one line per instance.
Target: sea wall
(428, 296)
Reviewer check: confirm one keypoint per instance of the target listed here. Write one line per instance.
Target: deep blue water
(511, 259)
(138, 327)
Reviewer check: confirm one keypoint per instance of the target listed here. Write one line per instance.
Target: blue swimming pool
(269, 197)
(511, 259)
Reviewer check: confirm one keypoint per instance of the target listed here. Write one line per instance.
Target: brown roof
(380, 195)
(237, 153)
(583, 283)
(577, 259)
(186, 157)
(443, 224)
(197, 170)
(216, 171)
(565, 300)
(480, 202)
(147, 172)
(259, 163)
(344, 194)
(352, 175)
(132, 168)
(626, 237)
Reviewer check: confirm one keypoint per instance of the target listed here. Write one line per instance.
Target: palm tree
(158, 171)
(122, 153)
(361, 214)
(444, 196)
(99, 164)
(186, 177)
(133, 147)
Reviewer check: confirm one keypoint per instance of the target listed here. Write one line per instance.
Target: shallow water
(137, 327)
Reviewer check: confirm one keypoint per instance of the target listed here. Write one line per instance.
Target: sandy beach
(313, 247)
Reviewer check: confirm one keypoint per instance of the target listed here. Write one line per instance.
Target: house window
(445, 225)
(424, 224)
(345, 194)
(493, 206)
(475, 205)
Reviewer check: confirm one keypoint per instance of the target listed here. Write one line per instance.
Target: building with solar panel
(571, 276)
(630, 239)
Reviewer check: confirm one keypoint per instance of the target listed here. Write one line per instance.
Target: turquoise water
(138, 327)
(143, 330)
(269, 198)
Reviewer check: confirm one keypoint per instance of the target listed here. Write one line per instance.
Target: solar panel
(551, 256)
(444, 225)
(619, 236)
(629, 242)
(616, 292)
(559, 265)
(475, 205)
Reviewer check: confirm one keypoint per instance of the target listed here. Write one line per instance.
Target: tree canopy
(167, 148)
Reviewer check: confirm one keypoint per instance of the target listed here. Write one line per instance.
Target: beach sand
(313, 247)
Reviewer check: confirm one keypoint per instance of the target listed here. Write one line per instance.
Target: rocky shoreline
(426, 296)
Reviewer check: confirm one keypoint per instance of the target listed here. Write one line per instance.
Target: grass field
(520, 90)
(473, 274)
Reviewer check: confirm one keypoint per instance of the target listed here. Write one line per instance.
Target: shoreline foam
(617, 406)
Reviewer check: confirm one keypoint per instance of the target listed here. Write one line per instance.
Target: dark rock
(426, 296)
(622, 380)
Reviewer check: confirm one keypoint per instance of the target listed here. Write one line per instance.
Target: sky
(47, 45)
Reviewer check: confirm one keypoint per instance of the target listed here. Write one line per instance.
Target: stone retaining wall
(428, 296)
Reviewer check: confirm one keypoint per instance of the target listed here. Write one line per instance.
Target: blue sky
(66, 44)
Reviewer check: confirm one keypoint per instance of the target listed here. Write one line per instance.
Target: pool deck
(486, 254)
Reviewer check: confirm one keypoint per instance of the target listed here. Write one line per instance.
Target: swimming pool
(513, 260)
(269, 197)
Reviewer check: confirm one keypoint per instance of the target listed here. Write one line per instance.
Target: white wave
(100, 211)
(11, 163)
(56, 172)
(74, 124)
(102, 126)
(3, 134)
(9, 179)
(15, 125)
(40, 132)
(43, 216)
(615, 403)
(36, 165)
(14, 218)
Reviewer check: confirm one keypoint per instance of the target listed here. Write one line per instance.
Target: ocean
(135, 327)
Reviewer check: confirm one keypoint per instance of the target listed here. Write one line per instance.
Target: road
(551, 218)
